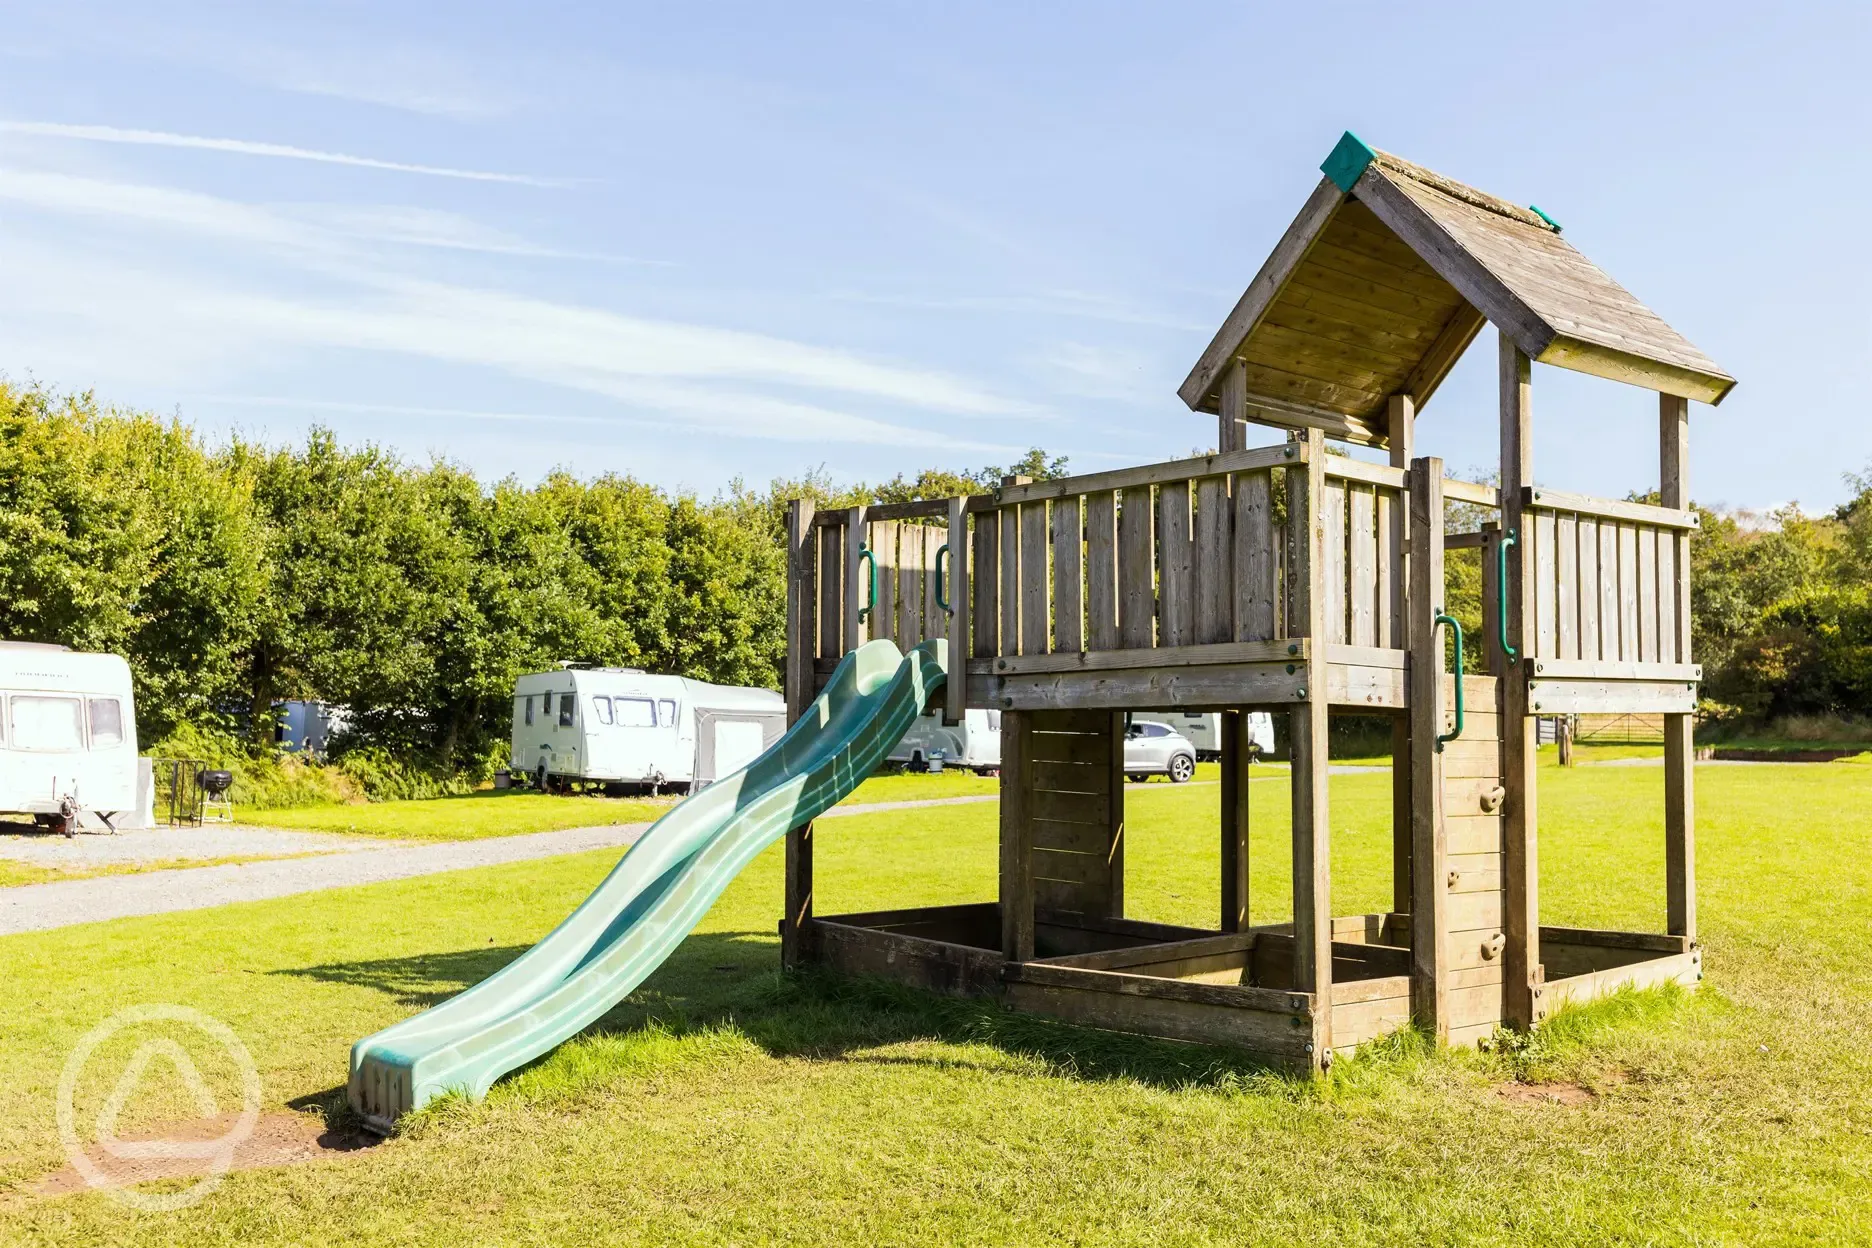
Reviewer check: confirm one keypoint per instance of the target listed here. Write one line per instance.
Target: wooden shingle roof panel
(1387, 275)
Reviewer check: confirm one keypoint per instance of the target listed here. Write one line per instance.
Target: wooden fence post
(1521, 964)
(1428, 834)
(1312, 826)
(1679, 744)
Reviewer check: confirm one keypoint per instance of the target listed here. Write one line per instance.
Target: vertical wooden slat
(1667, 600)
(1647, 595)
(883, 542)
(1215, 562)
(910, 596)
(1628, 592)
(1312, 828)
(1393, 581)
(1068, 611)
(1101, 522)
(857, 578)
(1235, 768)
(1136, 577)
(955, 691)
(1429, 843)
(1566, 586)
(1546, 600)
(1362, 555)
(1608, 591)
(1011, 553)
(1333, 569)
(985, 586)
(1176, 567)
(1035, 617)
(1588, 588)
(1679, 748)
(1522, 996)
(935, 619)
(831, 591)
(1256, 568)
(1017, 879)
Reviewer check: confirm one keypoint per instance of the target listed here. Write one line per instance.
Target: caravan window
(634, 712)
(47, 724)
(106, 723)
(994, 721)
(527, 702)
(666, 713)
(602, 708)
(567, 701)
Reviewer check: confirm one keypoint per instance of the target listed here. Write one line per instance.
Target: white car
(1155, 749)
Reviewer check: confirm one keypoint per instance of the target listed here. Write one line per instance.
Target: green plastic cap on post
(1348, 161)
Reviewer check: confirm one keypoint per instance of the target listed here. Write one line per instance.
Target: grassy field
(724, 1103)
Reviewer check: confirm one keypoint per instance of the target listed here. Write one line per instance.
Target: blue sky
(694, 242)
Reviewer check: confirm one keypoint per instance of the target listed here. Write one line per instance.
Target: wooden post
(1312, 828)
(1522, 991)
(1236, 757)
(1115, 785)
(1232, 410)
(802, 650)
(857, 583)
(1428, 835)
(955, 696)
(1402, 417)
(1679, 746)
(1563, 735)
(1017, 879)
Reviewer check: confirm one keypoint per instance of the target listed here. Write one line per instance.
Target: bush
(384, 778)
(263, 780)
(1812, 656)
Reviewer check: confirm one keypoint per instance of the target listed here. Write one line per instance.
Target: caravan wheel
(540, 778)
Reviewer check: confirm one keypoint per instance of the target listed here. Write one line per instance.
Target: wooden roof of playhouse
(1388, 274)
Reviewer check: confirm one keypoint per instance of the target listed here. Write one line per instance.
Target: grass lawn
(512, 812)
(724, 1103)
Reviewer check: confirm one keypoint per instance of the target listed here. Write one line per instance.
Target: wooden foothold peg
(1492, 947)
(1492, 800)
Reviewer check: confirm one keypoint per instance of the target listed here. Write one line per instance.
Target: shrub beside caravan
(68, 743)
(621, 726)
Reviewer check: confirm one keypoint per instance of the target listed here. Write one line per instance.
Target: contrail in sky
(243, 147)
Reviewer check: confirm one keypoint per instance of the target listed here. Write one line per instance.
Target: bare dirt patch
(1546, 1094)
(279, 1139)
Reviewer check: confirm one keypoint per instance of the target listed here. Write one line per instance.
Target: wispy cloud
(245, 147)
(662, 373)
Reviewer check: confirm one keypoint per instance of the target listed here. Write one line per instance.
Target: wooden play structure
(1288, 579)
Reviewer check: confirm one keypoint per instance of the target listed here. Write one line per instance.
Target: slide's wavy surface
(654, 897)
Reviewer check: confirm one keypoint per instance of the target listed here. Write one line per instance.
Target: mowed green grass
(724, 1103)
(515, 812)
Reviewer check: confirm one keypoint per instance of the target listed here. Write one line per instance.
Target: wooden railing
(1611, 581)
(1168, 556)
(1365, 512)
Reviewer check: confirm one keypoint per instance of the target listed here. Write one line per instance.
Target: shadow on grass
(732, 981)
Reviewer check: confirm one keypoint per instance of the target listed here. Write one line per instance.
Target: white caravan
(68, 743)
(975, 743)
(623, 726)
(1204, 729)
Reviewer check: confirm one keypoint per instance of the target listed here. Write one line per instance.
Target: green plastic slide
(653, 898)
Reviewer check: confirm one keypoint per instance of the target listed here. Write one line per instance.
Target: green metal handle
(1501, 584)
(1457, 630)
(865, 556)
(942, 553)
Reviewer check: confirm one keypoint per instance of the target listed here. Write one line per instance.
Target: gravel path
(37, 907)
(214, 840)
